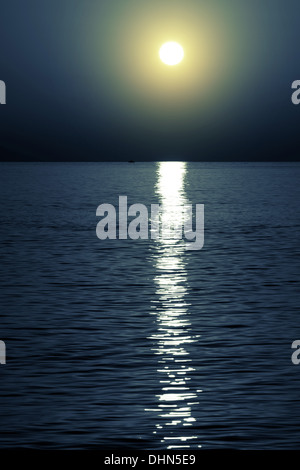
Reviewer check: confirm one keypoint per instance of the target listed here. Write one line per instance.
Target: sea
(143, 343)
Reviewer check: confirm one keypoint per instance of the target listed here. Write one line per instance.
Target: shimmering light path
(175, 402)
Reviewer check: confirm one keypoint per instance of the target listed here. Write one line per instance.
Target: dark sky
(84, 81)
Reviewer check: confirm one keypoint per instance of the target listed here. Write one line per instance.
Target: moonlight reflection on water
(174, 330)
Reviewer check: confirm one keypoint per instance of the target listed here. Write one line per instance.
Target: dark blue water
(143, 344)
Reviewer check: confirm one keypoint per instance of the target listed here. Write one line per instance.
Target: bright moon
(171, 53)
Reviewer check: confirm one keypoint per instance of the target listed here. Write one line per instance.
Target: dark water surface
(143, 344)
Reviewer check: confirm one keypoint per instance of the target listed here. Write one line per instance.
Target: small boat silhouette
(131, 161)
